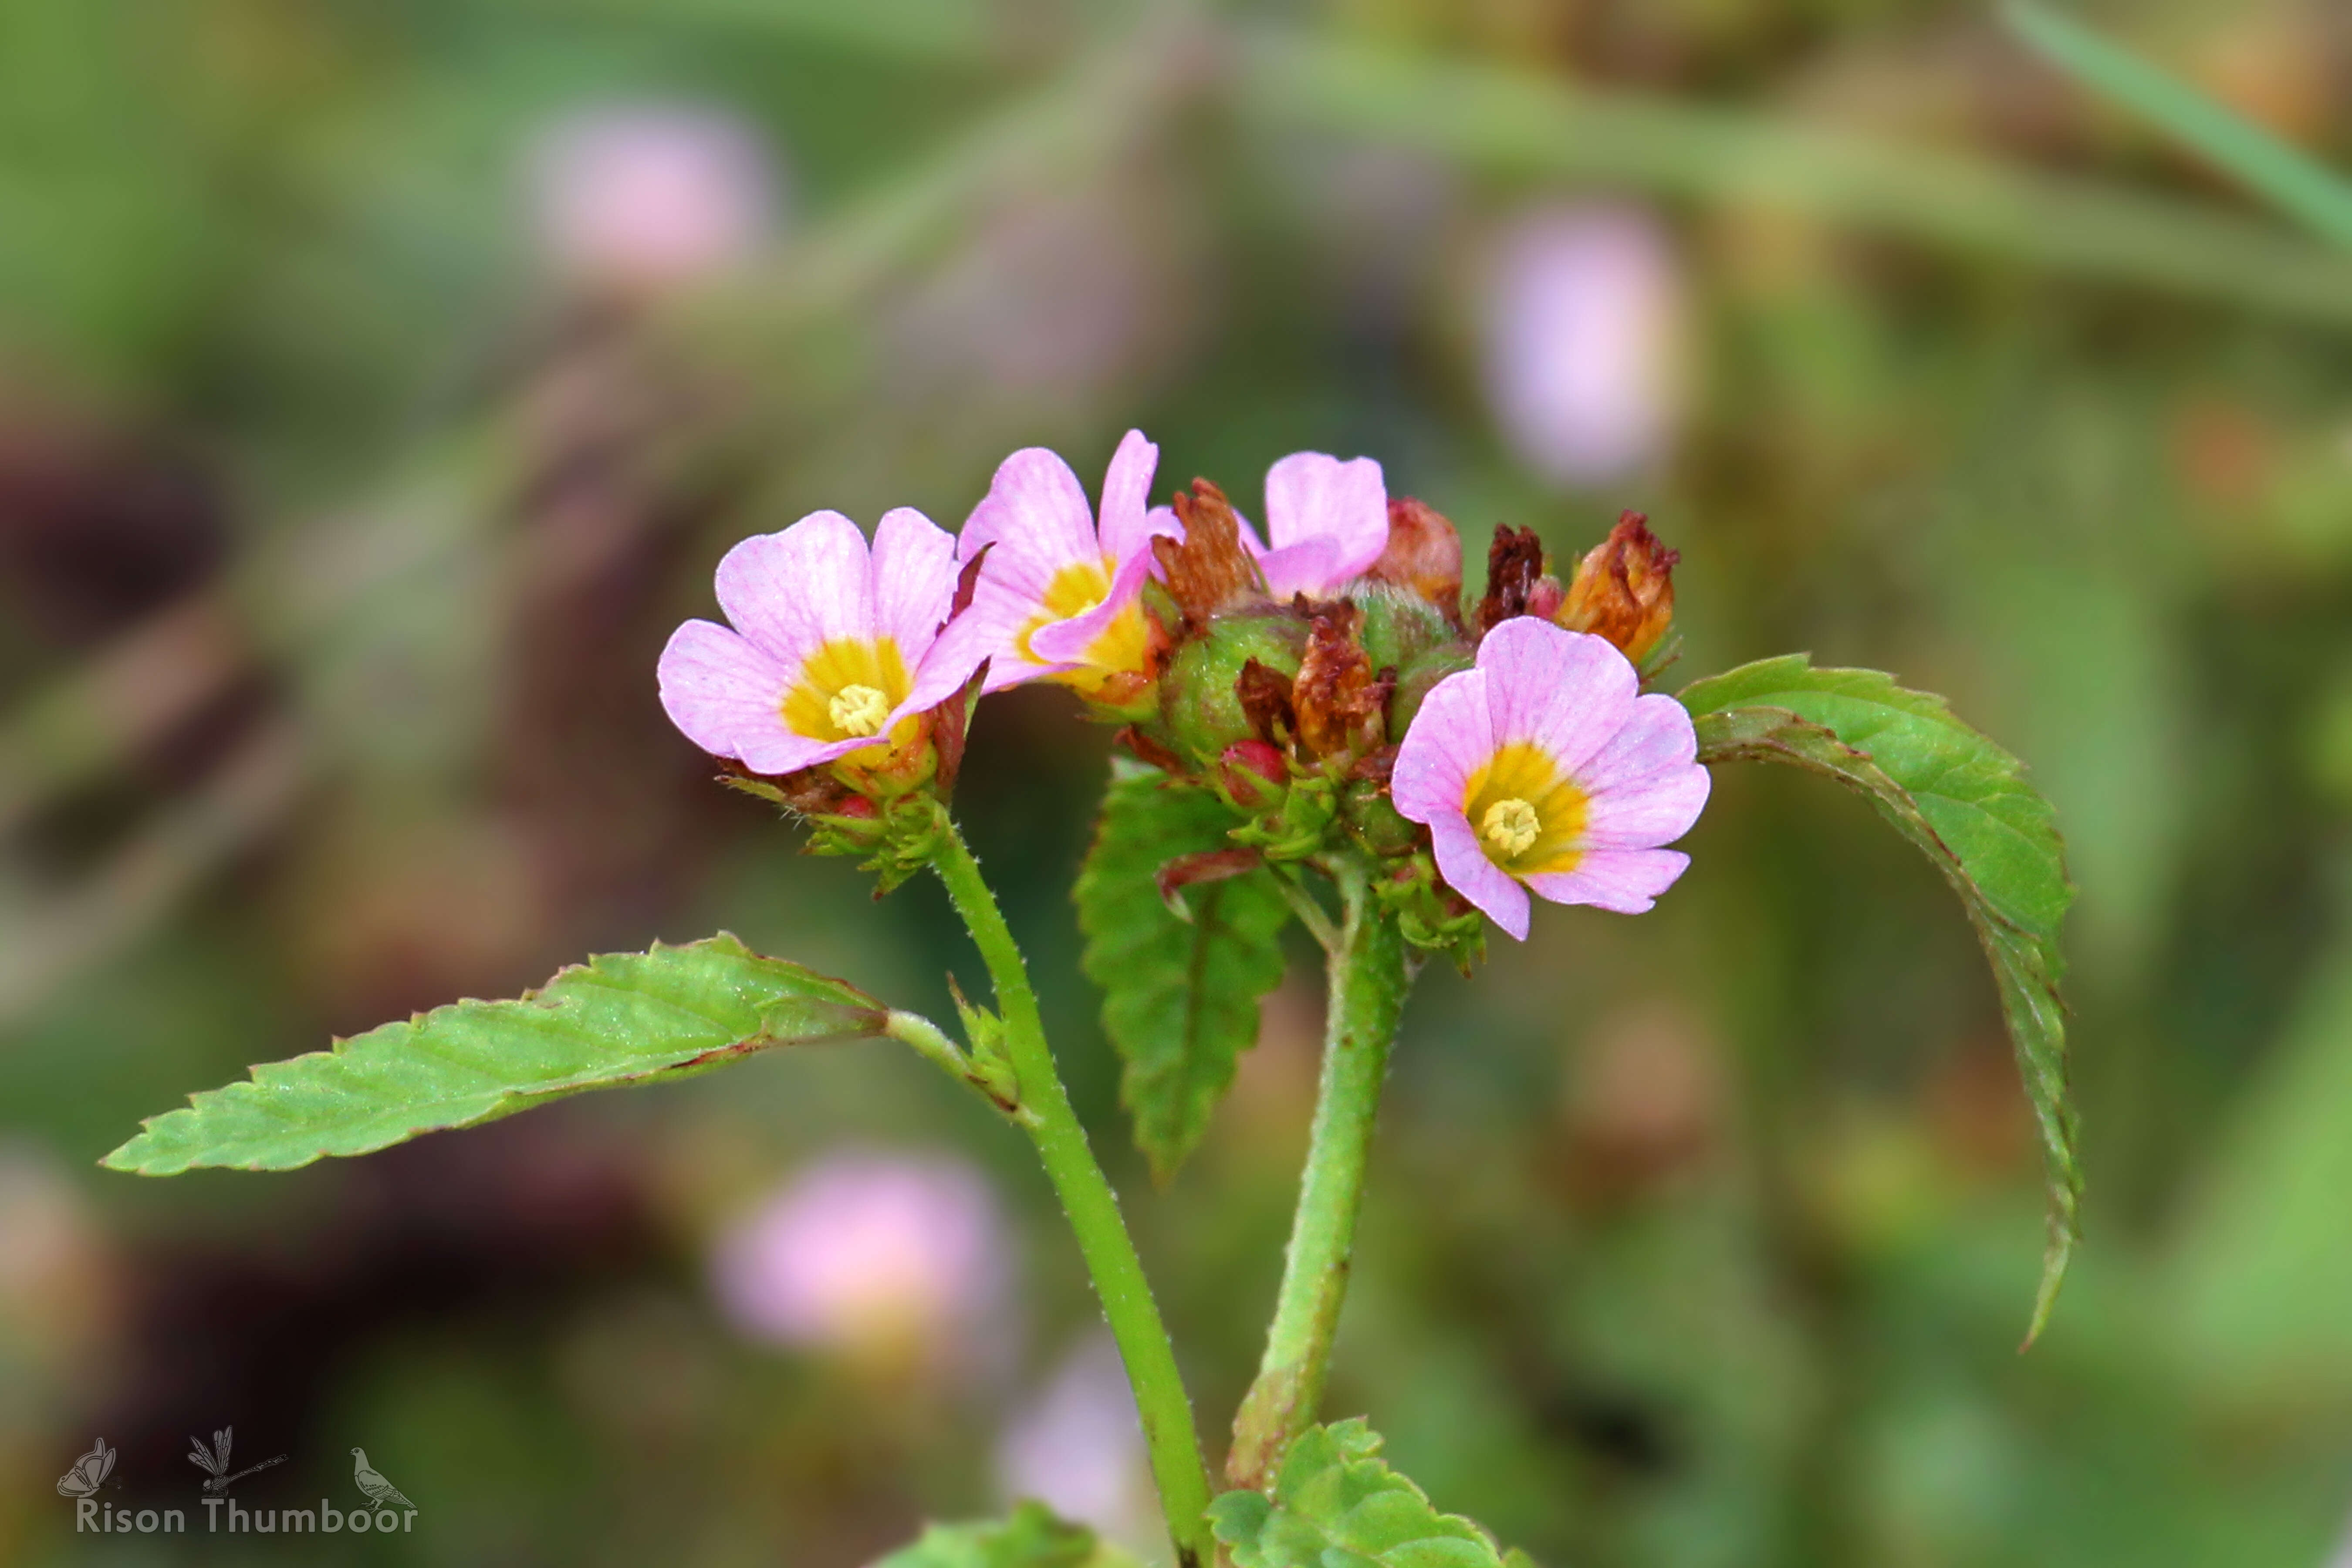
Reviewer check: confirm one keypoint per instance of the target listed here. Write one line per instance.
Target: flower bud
(1514, 575)
(1253, 775)
(1200, 696)
(1623, 589)
(1414, 678)
(1400, 626)
(1423, 555)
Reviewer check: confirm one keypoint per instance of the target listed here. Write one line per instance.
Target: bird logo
(371, 1481)
(88, 1472)
(214, 1462)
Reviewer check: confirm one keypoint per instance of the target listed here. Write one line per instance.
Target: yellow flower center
(847, 690)
(858, 709)
(1122, 646)
(1510, 826)
(1531, 819)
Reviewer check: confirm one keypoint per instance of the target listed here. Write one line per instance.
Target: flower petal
(1036, 513)
(1568, 692)
(725, 694)
(1069, 640)
(961, 646)
(1657, 810)
(792, 592)
(1311, 495)
(1626, 880)
(1656, 736)
(1450, 739)
(1125, 526)
(1469, 873)
(914, 580)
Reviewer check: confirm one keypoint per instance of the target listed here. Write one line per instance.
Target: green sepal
(1965, 802)
(1337, 1504)
(618, 1020)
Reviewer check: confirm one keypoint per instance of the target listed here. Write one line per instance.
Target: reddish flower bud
(1424, 554)
(1253, 774)
(1623, 589)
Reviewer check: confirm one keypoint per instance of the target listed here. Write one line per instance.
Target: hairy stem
(1093, 1209)
(1368, 978)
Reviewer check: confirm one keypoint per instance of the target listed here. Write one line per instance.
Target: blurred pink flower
(1077, 1448)
(834, 649)
(893, 1262)
(1058, 595)
(1583, 323)
(1543, 769)
(650, 198)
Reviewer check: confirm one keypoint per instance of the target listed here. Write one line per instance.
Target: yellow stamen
(1510, 826)
(1531, 819)
(858, 709)
(847, 690)
(1120, 647)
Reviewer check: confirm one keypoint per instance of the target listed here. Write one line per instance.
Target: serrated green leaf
(620, 1018)
(1963, 801)
(1180, 996)
(1032, 1538)
(1337, 1504)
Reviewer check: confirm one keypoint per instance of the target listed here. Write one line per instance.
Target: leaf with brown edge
(1965, 802)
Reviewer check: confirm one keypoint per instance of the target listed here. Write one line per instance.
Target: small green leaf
(1964, 802)
(1032, 1538)
(617, 1019)
(1179, 995)
(1336, 1504)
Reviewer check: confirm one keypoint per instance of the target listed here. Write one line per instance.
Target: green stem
(1368, 978)
(1093, 1210)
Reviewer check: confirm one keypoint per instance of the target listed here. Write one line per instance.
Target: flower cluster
(1323, 676)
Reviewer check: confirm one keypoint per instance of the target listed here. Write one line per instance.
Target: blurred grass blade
(621, 1018)
(1032, 1538)
(1180, 996)
(2290, 180)
(1963, 801)
(1517, 124)
(1336, 1502)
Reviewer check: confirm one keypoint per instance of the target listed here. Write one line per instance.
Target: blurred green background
(379, 383)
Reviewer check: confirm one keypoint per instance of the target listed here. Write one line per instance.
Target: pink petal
(1449, 739)
(1568, 692)
(1657, 735)
(1656, 810)
(1311, 567)
(793, 592)
(1125, 526)
(961, 646)
(1469, 873)
(914, 579)
(1626, 880)
(1036, 513)
(1309, 495)
(725, 694)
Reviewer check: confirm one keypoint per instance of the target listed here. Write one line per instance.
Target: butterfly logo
(214, 1462)
(88, 1472)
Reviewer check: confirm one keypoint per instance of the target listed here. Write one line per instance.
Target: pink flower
(1542, 768)
(1329, 521)
(651, 198)
(1077, 1447)
(835, 649)
(1584, 331)
(1058, 597)
(887, 1260)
